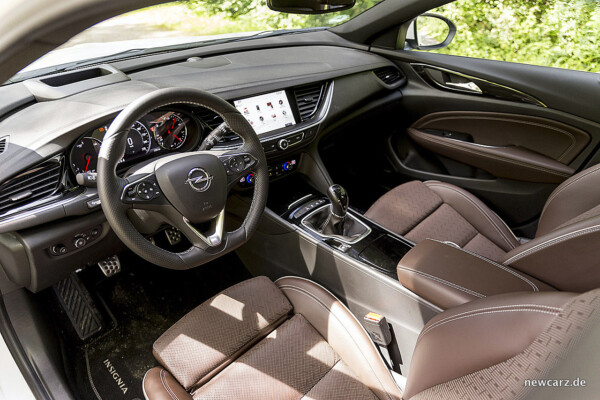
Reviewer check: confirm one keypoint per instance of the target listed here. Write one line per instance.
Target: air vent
(211, 119)
(308, 99)
(389, 75)
(3, 144)
(38, 183)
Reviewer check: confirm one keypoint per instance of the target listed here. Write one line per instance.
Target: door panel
(508, 146)
(529, 129)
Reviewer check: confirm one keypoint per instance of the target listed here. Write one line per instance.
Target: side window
(552, 33)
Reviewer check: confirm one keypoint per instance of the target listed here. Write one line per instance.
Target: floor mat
(142, 302)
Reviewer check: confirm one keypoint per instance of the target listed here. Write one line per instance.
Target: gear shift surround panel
(351, 229)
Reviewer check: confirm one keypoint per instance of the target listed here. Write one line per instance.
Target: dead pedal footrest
(79, 306)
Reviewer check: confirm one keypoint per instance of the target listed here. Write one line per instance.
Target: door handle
(470, 87)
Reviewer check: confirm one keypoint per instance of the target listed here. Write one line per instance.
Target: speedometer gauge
(138, 140)
(170, 131)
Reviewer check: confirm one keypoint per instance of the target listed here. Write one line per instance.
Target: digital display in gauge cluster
(159, 131)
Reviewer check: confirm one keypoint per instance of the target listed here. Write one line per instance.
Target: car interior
(330, 214)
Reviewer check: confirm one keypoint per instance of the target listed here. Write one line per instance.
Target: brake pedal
(79, 306)
(173, 236)
(110, 266)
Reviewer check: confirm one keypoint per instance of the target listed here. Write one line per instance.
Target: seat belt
(381, 333)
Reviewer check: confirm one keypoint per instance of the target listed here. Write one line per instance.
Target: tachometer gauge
(170, 131)
(138, 140)
(84, 155)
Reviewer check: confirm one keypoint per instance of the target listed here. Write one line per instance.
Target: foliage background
(554, 33)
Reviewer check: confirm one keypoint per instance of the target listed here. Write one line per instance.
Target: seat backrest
(565, 251)
(575, 199)
(495, 347)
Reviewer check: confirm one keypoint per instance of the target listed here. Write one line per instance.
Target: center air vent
(3, 144)
(308, 99)
(389, 75)
(38, 183)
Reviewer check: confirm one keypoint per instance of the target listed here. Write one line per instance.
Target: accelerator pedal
(110, 266)
(79, 306)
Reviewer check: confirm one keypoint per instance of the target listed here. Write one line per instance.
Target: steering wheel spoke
(143, 192)
(238, 164)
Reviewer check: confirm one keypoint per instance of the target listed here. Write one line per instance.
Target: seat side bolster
(483, 219)
(566, 258)
(343, 332)
(159, 384)
(479, 334)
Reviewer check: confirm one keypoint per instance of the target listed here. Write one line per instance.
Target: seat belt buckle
(378, 328)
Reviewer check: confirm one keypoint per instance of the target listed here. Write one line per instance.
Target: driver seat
(292, 339)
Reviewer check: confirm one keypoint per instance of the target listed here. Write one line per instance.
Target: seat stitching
(443, 282)
(494, 156)
(165, 384)
(487, 312)
(310, 295)
(481, 210)
(556, 240)
(323, 377)
(533, 285)
(567, 184)
(523, 306)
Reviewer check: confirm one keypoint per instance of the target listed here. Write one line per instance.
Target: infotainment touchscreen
(267, 112)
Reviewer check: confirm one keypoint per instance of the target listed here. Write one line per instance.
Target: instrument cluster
(158, 132)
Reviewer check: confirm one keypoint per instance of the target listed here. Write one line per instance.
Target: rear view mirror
(430, 32)
(310, 6)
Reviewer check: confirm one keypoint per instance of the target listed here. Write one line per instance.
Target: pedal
(173, 236)
(110, 266)
(79, 306)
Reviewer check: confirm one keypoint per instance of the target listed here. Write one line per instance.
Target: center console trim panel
(338, 238)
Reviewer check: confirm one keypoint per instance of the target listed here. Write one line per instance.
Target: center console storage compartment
(448, 276)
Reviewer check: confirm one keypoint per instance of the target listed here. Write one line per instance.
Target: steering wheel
(185, 190)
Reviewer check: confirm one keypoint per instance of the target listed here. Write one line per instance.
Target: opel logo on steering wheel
(199, 179)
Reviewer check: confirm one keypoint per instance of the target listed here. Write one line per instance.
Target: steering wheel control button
(236, 164)
(147, 190)
(283, 144)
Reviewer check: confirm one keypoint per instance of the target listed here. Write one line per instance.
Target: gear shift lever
(335, 221)
(339, 201)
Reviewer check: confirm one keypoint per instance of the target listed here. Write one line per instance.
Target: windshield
(178, 25)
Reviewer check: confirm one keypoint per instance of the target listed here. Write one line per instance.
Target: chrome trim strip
(528, 96)
(339, 239)
(215, 238)
(308, 196)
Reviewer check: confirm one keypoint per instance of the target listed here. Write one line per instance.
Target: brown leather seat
(294, 340)
(567, 233)
(260, 340)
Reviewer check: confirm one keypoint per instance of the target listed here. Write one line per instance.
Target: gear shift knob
(339, 200)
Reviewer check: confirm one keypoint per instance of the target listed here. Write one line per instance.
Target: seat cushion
(293, 362)
(293, 340)
(440, 211)
(217, 331)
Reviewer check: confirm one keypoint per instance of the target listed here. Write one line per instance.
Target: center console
(330, 220)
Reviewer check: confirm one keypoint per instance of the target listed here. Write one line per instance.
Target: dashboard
(52, 134)
(156, 133)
